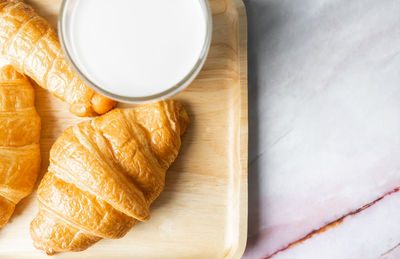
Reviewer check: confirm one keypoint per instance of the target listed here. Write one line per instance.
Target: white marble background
(324, 128)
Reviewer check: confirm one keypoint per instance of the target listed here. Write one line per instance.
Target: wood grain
(203, 211)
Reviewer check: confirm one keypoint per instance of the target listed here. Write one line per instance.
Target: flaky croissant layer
(31, 45)
(19, 140)
(104, 174)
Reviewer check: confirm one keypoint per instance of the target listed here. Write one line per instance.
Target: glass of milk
(136, 50)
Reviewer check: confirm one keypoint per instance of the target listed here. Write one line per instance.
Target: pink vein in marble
(371, 233)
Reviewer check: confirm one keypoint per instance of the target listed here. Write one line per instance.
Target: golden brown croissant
(30, 44)
(104, 174)
(19, 140)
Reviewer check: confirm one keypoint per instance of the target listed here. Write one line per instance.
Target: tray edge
(243, 130)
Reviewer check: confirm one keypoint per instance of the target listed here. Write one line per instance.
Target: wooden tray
(202, 212)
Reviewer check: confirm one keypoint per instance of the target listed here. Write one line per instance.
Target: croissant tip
(183, 117)
(102, 104)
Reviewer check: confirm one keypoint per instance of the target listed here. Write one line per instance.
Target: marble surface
(324, 129)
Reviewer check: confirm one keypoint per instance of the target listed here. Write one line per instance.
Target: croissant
(104, 174)
(19, 141)
(31, 45)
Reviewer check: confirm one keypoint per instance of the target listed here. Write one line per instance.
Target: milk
(136, 48)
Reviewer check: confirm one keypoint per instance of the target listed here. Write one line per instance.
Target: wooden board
(202, 212)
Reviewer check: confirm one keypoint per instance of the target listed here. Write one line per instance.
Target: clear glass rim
(162, 95)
